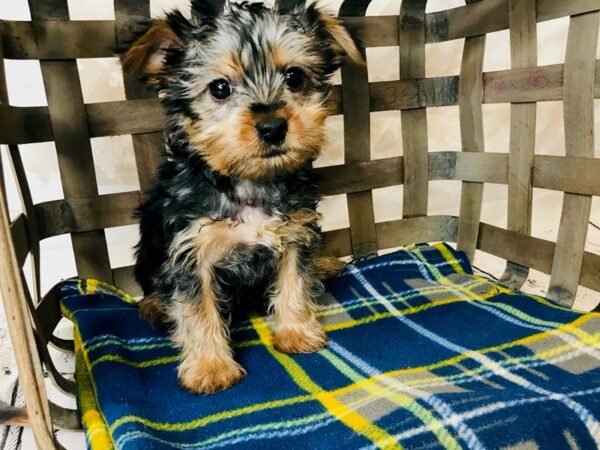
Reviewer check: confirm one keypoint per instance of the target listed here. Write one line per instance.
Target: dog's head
(246, 84)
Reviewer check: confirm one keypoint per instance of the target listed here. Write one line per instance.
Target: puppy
(233, 208)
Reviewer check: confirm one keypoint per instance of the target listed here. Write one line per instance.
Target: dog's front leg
(297, 329)
(207, 364)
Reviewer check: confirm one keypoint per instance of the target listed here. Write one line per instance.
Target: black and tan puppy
(234, 206)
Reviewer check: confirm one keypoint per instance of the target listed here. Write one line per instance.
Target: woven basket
(57, 42)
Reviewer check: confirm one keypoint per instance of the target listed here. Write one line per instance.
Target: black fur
(186, 189)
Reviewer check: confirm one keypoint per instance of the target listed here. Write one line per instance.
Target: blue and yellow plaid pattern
(422, 354)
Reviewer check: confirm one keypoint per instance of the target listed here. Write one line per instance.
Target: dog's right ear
(146, 57)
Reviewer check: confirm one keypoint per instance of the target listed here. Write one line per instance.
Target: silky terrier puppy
(244, 88)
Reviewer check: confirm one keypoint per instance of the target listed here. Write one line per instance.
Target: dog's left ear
(342, 42)
(146, 57)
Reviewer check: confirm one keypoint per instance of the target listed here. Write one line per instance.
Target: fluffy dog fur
(232, 210)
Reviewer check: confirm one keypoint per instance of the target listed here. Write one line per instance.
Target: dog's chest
(267, 196)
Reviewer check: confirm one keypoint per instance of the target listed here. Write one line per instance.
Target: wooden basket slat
(411, 43)
(492, 15)
(18, 232)
(523, 51)
(574, 175)
(578, 103)
(357, 142)
(472, 138)
(26, 125)
(533, 252)
(71, 137)
(59, 39)
(148, 147)
(373, 31)
(86, 214)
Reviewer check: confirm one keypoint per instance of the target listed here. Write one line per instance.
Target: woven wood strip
(96, 38)
(75, 161)
(18, 305)
(32, 242)
(18, 232)
(567, 174)
(414, 122)
(18, 321)
(31, 226)
(357, 142)
(25, 125)
(492, 15)
(579, 139)
(149, 148)
(472, 138)
(533, 252)
(80, 215)
(523, 50)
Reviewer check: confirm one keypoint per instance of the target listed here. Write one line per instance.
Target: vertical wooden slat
(580, 68)
(357, 142)
(71, 136)
(16, 312)
(24, 193)
(414, 122)
(523, 45)
(149, 148)
(21, 333)
(472, 138)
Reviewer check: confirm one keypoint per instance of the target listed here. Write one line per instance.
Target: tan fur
(232, 148)
(296, 327)
(153, 311)
(325, 267)
(207, 360)
(344, 43)
(146, 55)
(208, 365)
(207, 242)
(230, 67)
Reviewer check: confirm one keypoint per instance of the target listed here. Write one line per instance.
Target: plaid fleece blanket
(422, 354)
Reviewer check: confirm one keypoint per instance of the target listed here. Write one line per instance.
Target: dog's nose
(272, 131)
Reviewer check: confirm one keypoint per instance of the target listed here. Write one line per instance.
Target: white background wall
(102, 81)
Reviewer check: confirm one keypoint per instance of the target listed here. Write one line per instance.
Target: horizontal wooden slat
(125, 117)
(60, 39)
(18, 231)
(492, 15)
(360, 177)
(568, 174)
(533, 252)
(24, 125)
(525, 250)
(78, 215)
(13, 416)
(416, 229)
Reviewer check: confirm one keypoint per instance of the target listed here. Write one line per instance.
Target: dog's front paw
(209, 375)
(306, 338)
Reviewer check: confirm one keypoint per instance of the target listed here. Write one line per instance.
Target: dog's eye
(220, 89)
(294, 78)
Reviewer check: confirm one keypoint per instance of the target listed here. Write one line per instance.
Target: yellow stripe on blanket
(347, 416)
